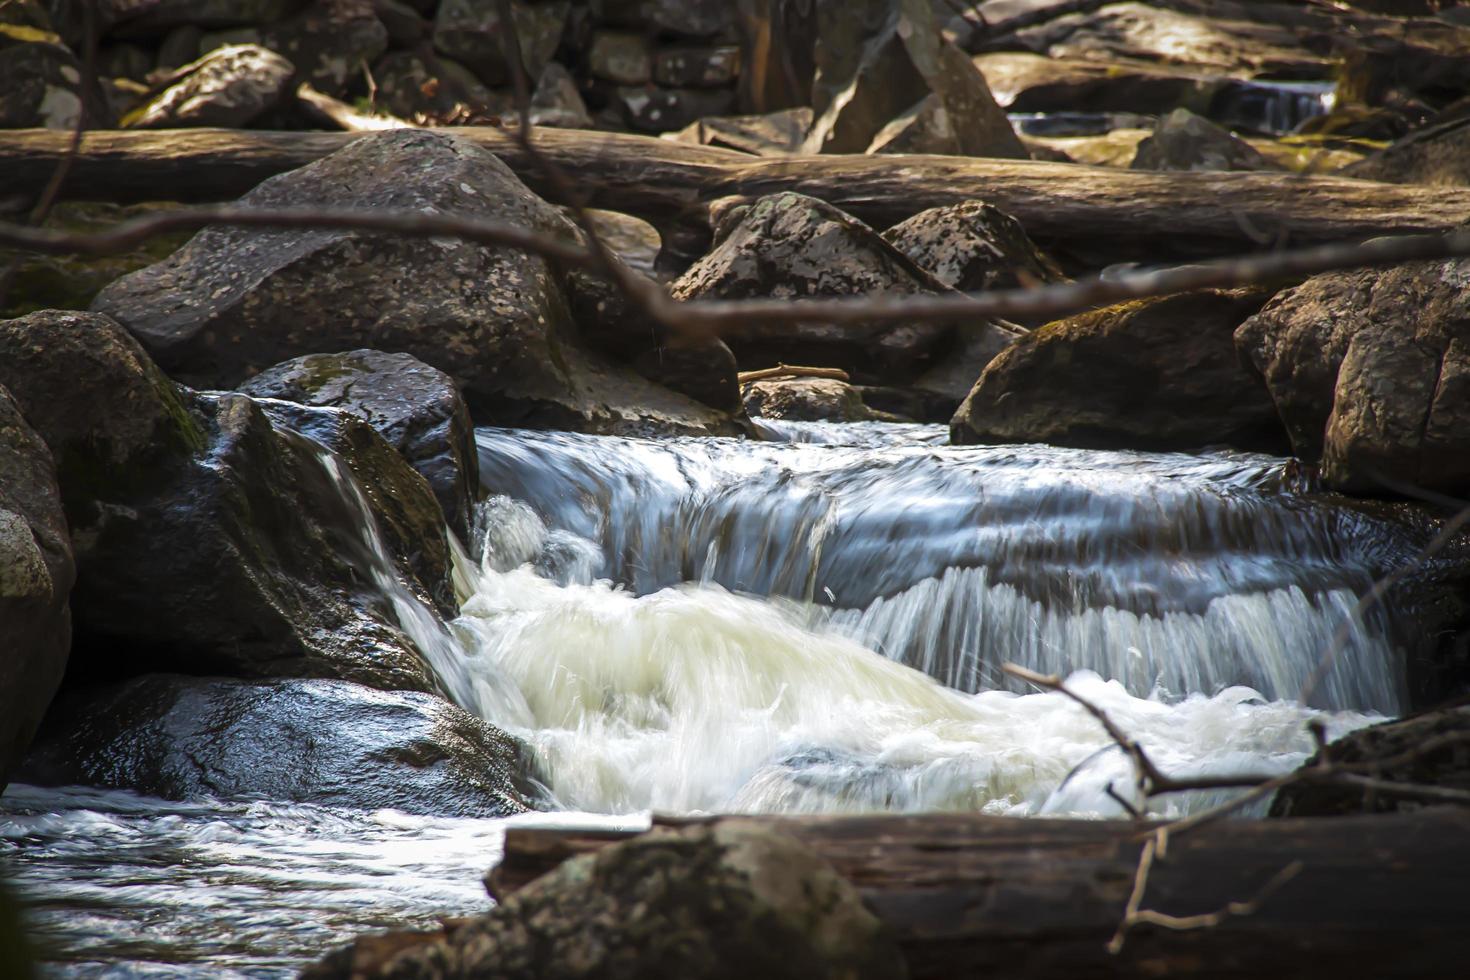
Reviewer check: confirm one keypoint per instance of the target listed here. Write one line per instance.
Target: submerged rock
(1157, 374)
(723, 903)
(1439, 742)
(235, 301)
(329, 743)
(228, 87)
(416, 408)
(1370, 372)
(36, 575)
(208, 539)
(1184, 141)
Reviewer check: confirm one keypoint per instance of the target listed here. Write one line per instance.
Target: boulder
(972, 247)
(556, 101)
(697, 66)
(325, 742)
(328, 41)
(789, 246)
(156, 17)
(416, 408)
(36, 575)
(1184, 141)
(1157, 374)
(1025, 82)
(228, 88)
(733, 901)
(621, 57)
(40, 79)
(809, 400)
(692, 18)
(1370, 372)
(1438, 156)
(652, 109)
(208, 539)
(1443, 738)
(771, 134)
(406, 27)
(469, 32)
(422, 88)
(235, 301)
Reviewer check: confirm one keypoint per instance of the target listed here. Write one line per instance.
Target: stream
(811, 624)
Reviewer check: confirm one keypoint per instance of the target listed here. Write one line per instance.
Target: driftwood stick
(792, 371)
(337, 113)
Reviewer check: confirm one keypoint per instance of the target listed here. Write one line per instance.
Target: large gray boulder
(1156, 374)
(234, 301)
(210, 539)
(330, 743)
(416, 408)
(1370, 372)
(727, 902)
(36, 574)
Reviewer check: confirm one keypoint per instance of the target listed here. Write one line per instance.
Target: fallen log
(1097, 215)
(967, 895)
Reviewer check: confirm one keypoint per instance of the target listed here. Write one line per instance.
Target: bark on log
(1099, 215)
(966, 895)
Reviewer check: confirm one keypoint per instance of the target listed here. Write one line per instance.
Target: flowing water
(815, 624)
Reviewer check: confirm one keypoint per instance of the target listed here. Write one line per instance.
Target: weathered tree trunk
(973, 896)
(1098, 215)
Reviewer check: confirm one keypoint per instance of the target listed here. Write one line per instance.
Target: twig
(343, 116)
(791, 371)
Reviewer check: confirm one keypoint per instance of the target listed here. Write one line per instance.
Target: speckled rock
(416, 408)
(973, 246)
(469, 32)
(36, 574)
(723, 903)
(808, 400)
(1184, 141)
(789, 246)
(1438, 156)
(329, 743)
(693, 66)
(1447, 767)
(235, 301)
(411, 87)
(328, 41)
(228, 87)
(621, 57)
(1370, 372)
(1157, 374)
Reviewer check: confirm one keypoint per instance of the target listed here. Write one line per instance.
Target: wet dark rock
(1184, 141)
(692, 18)
(469, 32)
(228, 88)
(1446, 766)
(973, 246)
(690, 66)
(621, 57)
(1370, 372)
(1438, 156)
(325, 742)
(789, 246)
(809, 400)
(770, 134)
(732, 901)
(651, 109)
(40, 79)
(36, 575)
(1158, 374)
(235, 301)
(405, 26)
(416, 408)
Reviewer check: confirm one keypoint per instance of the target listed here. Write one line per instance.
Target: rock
(40, 79)
(207, 538)
(650, 109)
(1447, 767)
(633, 240)
(1370, 372)
(36, 575)
(877, 60)
(808, 400)
(405, 26)
(325, 742)
(160, 16)
(329, 41)
(621, 57)
(692, 18)
(416, 408)
(179, 47)
(235, 301)
(689, 66)
(973, 246)
(771, 134)
(1438, 156)
(411, 88)
(469, 32)
(557, 102)
(1184, 141)
(228, 88)
(1025, 82)
(789, 246)
(1157, 374)
(733, 901)
(124, 61)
